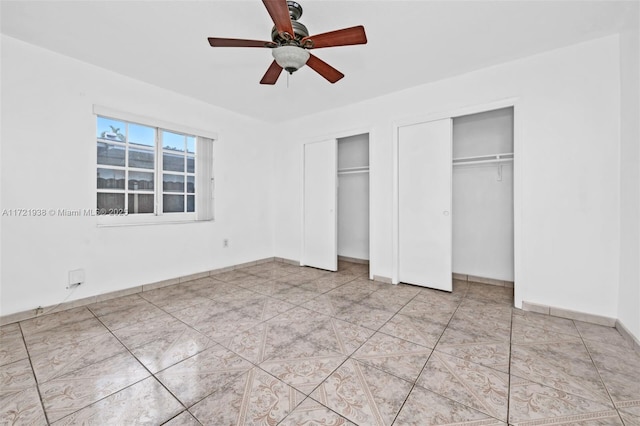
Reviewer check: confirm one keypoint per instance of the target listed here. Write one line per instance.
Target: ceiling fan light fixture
(291, 58)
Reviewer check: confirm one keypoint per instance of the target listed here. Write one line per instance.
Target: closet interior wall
(353, 197)
(482, 204)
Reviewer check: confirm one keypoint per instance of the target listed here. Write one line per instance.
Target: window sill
(146, 220)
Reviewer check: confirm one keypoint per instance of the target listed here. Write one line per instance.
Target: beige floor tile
(433, 309)
(16, 377)
(117, 304)
(351, 291)
(312, 413)
(225, 325)
(64, 335)
(296, 295)
(414, 329)
(425, 408)
(466, 334)
(202, 312)
(69, 393)
(384, 301)
(304, 365)
(273, 274)
(130, 316)
(395, 356)
(52, 321)
(231, 276)
(148, 330)
(364, 316)
(254, 398)
(523, 332)
(12, 346)
(22, 408)
(491, 293)
(475, 307)
(203, 374)
(473, 385)
(61, 360)
(146, 402)
(546, 322)
(177, 301)
(601, 334)
(621, 379)
(340, 336)
(533, 403)
(171, 348)
(362, 394)
(183, 419)
(259, 343)
(327, 305)
(247, 346)
(330, 282)
(630, 413)
(566, 366)
(493, 355)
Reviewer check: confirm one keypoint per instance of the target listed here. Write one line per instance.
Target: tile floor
(276, 344)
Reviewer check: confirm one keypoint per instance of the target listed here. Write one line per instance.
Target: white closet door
(320, 242)
(424, 240)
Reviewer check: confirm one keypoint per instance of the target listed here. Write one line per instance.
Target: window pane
(172, 162)
(141, 135)
(191, 203)
(110, 155)
(191, 184)
(141, 181)
(141, 158)
(172, 141)
(109, 202)
(110, 179)
(191, 165)
(140, 203)
(111, 129)
(173, 203)
(191, 144)
(172, 183)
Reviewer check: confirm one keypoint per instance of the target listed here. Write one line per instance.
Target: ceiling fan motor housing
(300, 31)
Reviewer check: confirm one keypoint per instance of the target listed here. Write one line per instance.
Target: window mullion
(126, 167)
(158, 170)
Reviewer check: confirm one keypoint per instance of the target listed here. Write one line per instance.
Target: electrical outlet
(225, 243)
(76, 277)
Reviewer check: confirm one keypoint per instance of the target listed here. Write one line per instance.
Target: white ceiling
(410, 43)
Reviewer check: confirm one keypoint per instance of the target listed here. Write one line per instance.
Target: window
(148, 173)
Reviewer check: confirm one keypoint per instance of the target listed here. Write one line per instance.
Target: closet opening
(353, 202)
(482, 202)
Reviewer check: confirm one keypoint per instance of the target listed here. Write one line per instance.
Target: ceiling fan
(290, 42)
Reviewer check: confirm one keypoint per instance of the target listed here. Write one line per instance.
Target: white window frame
(203, 172)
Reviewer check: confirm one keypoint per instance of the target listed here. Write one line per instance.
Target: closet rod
(499, 160)
(351, 172)
(354, 169)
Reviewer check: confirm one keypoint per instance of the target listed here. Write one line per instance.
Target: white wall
(568, 226)
(482, 212)
(48, 161)
(353, 198)
(629, 309)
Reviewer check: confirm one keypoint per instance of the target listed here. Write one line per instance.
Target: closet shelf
(352, 170)
(484, 159)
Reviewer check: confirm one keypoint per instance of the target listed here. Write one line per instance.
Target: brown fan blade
(343, 37)
(324, 69)
(236, 42)
(272, 74)
(279, 12)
